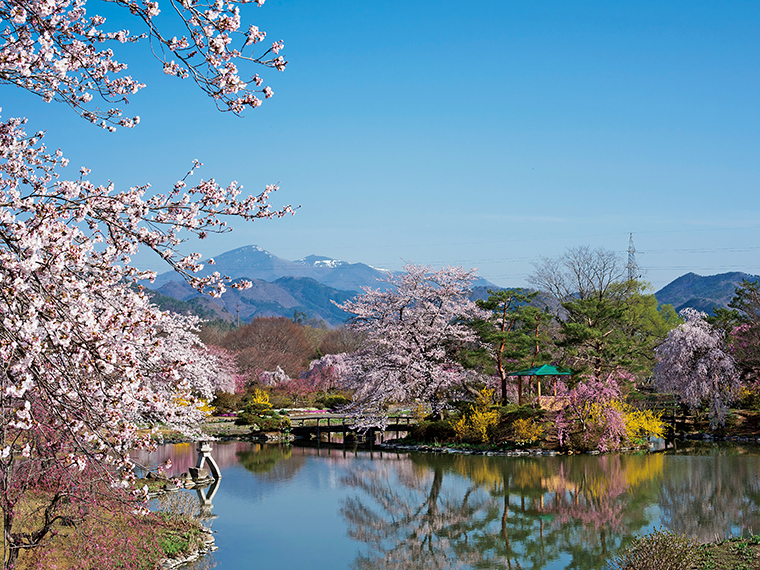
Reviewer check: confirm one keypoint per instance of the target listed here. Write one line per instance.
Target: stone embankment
(192, 478)
(206, 545)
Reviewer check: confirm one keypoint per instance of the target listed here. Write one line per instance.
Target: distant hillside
(264, 299)
(280, 287)
(702, 292)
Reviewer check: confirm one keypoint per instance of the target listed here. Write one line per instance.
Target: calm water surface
(294, 507)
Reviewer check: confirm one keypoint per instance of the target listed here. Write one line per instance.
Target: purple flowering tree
(590, 419)
(694, 363)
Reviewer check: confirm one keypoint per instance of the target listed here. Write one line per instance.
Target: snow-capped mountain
(253, 262)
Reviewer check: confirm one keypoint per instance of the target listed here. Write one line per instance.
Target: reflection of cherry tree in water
(599, 503)
(535, 511)
(416, 521)
(181, 456)
(584, 507)
(714, 496)
(522, 539)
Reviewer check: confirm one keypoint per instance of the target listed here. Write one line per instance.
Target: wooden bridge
(315, 425)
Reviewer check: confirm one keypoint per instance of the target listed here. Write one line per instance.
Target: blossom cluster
(79, 337)
(55, 49)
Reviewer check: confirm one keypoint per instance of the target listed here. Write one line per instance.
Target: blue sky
(485, 134)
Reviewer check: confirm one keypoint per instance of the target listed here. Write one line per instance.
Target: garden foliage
(595, 416)
(476, 423)
(660, 550)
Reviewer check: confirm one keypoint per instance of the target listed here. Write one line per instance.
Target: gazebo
(543, 370)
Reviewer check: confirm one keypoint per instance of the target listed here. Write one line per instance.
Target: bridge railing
(347, 421)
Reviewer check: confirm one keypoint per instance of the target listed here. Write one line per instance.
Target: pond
(300, 507)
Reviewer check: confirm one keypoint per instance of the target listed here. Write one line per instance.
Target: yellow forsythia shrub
(527, 431)
(261, 399)
(640, 425)
(461, 429)
(419, 411)
(480, 419)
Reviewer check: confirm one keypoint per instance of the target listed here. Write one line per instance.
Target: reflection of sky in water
(292, 508)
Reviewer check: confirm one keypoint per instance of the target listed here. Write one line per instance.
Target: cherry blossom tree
(413, 331)
(693, 362)
(87, 359)
(327, 372)
(225, 377)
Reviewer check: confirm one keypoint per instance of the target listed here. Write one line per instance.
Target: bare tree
(580, 273)
(268, 342)
(342, 339)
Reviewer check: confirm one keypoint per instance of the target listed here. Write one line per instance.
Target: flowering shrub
(590, 418)
(419, 411)
(527, 431)
(260, 400)
(595, 416)
(640, 425)
(476, 424)
(258, 413)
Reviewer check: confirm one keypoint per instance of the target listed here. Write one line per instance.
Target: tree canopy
(87, 358)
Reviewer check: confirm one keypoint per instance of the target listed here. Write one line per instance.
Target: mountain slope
(702, 292)
(253, 262)
(264, 299)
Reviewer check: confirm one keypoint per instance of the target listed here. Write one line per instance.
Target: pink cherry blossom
(88, 359)
(413, 331)
(60, 52)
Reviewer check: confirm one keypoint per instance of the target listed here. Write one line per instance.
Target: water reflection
(714, 494)
(262, 458)
(407, 511)
(499, 512)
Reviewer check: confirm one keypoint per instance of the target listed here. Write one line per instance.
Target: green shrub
(661, 550)
(462, 407)
(512, 412)
(259, 414)
(175, 543)
(272, 422)
(280, 400)
(333, 400)
(225, 403)
(435, 431)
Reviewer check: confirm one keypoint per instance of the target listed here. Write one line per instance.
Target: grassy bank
(113, 537)
(666, 550)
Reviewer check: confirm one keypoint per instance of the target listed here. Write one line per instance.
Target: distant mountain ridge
(280, 298)
(702, 292)
(253, 262)
(310, 285)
